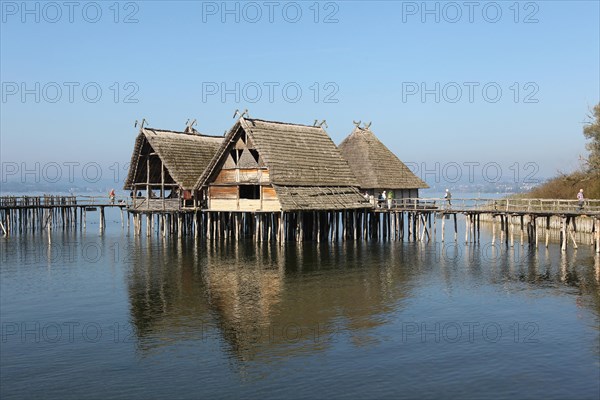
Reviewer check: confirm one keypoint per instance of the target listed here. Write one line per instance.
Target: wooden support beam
(597, 227)
(512, 230)
(571, 230)
(455, 228)
(443, 226)
(563, 231)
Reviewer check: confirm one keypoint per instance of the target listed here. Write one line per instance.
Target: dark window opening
(234, 155)
(254, 154)
(251, 192)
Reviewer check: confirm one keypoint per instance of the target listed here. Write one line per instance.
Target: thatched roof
(374, 165)
(298, 156)
(319, 197)
(185, 155)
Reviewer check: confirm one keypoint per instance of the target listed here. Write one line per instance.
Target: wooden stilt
(493, 229)
(455, 227)
(535, 231)
(597, 235)
(571, 230)
(563, 230)
(443, 226)
(512, 231)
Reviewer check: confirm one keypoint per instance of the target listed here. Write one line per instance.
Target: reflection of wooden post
(467, 228)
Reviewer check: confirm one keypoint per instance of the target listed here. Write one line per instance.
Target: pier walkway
(415, 219)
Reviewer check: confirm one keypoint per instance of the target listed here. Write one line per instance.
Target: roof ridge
(282, 123)
(199, 134)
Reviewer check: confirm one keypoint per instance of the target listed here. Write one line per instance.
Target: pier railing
(57, 201)
(554, 206)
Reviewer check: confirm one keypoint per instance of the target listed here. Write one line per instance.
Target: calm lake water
(116, 316)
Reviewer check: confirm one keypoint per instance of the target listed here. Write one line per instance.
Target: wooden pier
(35, 213)
(403, 219)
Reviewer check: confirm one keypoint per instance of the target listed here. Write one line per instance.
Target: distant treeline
(567, 186)
(587, 178)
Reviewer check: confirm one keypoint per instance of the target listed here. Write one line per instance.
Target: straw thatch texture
(298, 155)
(374, 165)
(300, 198)
(185, 156)
(305, 167)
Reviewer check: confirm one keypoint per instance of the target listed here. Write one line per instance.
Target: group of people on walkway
(385, 199)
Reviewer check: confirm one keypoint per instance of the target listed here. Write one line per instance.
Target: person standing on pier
(111, 196)
(390, 198)
(448, 197)
(580, 198)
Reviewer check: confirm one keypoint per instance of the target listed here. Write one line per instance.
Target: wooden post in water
(535, 231)
(512, 231)
(563, 231)
(443, 225)
(571, 230)
(455, 228)
(597, 235)
(101, 219)
(522, 232)
(547, 230)
(493, 229)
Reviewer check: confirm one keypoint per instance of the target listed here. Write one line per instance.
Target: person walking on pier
(448, 197)
(580, 198)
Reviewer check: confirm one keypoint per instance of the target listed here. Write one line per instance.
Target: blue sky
(354, 60)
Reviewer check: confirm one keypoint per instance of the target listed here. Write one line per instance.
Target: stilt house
(165, 167)
(275, 166)
(376, 168)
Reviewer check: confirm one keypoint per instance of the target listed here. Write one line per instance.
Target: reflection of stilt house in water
(165, 166)
(377, 168)
(274, 166)
(257, 299)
